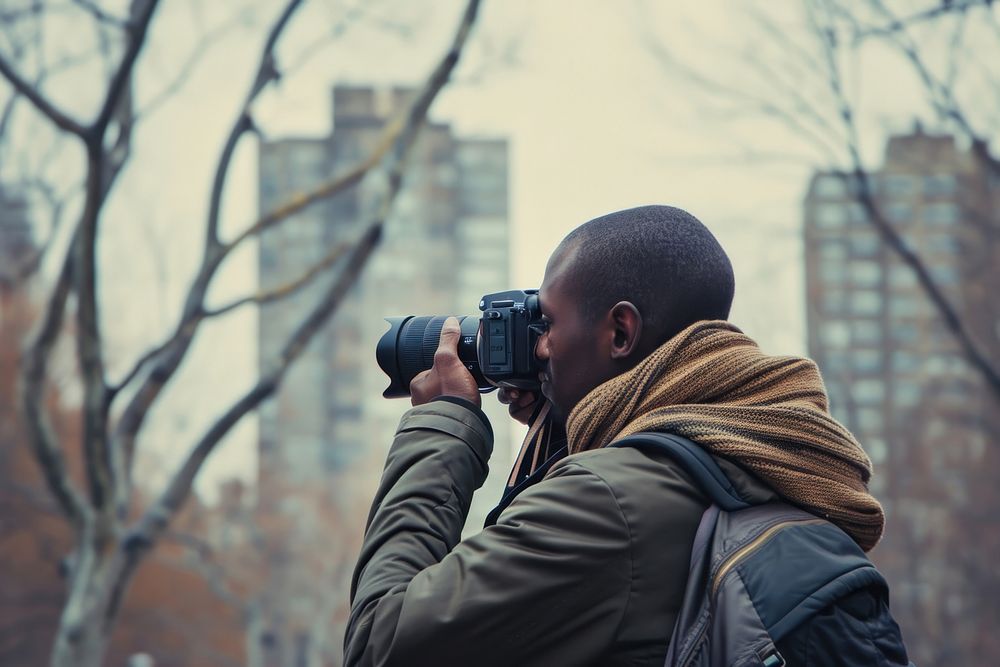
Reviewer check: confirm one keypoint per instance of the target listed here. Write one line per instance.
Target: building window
(835, 362)
(835, 334)
(877, 449)
(866, 361)
(835, 398)
(904, 362)
(866, 302)
(865, 273)
(906, 395)
(870, 420)
(269, 191)
(833, 250)
(839, 412)
(866, 332)
(857, 213)
(901, 275)
(904, 332)
(898, 185)
(446, 175)
(832, 272)
(868, 392)
(940, 334)
(940, 185)
(944, 274)
(942, 244)
(830, 216)
(833, 301)
(940, 364)
(907, 305)
(898, 213)
(941, 215)
(268, 257)
(830, 186)
(864, 244)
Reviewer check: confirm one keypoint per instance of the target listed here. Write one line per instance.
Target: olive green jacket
(586, 567)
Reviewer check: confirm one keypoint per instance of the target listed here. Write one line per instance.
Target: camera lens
(408, 348)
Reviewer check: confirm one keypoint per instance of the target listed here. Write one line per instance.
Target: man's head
(620, 286)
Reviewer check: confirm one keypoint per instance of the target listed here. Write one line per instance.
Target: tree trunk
(255, 629)
(87, 616)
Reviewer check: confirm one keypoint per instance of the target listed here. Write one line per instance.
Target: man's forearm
(437, 460)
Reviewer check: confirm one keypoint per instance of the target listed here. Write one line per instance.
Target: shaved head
(660, 258)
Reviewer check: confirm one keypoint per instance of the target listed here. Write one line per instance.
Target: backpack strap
(696, 462)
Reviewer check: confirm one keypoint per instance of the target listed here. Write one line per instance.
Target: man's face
(572, 352)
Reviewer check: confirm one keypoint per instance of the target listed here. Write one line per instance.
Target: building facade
(328, 428)
(899, 380)
(16, 237)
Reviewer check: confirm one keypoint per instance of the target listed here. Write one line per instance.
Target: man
(587, 565)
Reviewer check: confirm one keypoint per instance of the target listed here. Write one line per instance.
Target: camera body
(508, 331)
(498, 349)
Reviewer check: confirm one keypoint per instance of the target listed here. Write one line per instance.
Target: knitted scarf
(713, 385)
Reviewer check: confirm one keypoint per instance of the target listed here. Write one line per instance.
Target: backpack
(772, 584)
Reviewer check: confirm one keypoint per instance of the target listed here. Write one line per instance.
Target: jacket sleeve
(548, 584)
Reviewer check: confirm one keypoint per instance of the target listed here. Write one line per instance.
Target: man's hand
(448, 376)
(520, 403)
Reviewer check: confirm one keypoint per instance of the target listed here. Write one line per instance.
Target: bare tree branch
(27, 266)
(338, 29)
(141, 14)
(170, 354)
(211, 570)
(896, 24)
(209, 40)
(795, 119)
(99, 14)
(888, 233)
(954, 45)
(287, 289)
(941, 97)
(41, 103)
(390, 174)
(33, 373)
(106, 555)
(7, 114)
(338, 184)
(267, 72)
(196, 312)
(103, 166)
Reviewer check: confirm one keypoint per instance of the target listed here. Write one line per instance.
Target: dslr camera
(498, 348)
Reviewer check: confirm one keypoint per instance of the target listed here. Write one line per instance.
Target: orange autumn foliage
(170, 611)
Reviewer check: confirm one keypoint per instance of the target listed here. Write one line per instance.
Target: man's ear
(627, 323)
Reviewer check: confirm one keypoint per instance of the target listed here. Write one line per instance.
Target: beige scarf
(713, 385)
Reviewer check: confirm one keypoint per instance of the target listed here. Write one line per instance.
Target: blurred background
(202, 227)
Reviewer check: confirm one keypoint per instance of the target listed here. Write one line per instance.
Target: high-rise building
(444, 246)
(899, 380)
(16, 239)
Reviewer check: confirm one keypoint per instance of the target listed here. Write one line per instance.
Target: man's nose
(542, 348)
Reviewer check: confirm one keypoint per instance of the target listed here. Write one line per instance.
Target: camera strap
(545, 435)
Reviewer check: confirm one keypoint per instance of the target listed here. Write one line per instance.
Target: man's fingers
(448, 343)
(508, 396)
(418, 379)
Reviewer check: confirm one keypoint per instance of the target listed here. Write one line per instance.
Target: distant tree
(33, 534)
(240, 548)
(172, 612)
(802, 74)
(109, 538)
